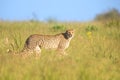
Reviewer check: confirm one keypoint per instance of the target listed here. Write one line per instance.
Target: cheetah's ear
(70, 30)
(73, 30)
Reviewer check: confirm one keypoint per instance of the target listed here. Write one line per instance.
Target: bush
(91, 28)
(113, 23)
(58, 28)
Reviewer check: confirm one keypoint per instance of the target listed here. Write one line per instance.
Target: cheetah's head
(69, 33)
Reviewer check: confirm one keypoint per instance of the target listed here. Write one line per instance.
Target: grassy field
(94, 52)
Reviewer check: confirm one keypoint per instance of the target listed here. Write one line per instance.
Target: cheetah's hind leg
(37, 51)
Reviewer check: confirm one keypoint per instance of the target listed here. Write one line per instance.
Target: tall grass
(92, 55)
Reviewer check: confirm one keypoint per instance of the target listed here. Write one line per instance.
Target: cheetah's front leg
(61, 52)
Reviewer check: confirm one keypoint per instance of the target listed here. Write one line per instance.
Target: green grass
(92, 55)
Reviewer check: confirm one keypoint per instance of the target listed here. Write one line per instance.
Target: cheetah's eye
(69, 32)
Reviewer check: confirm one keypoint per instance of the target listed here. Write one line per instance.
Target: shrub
(58, 28)
(113, 23)
(91, 28)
